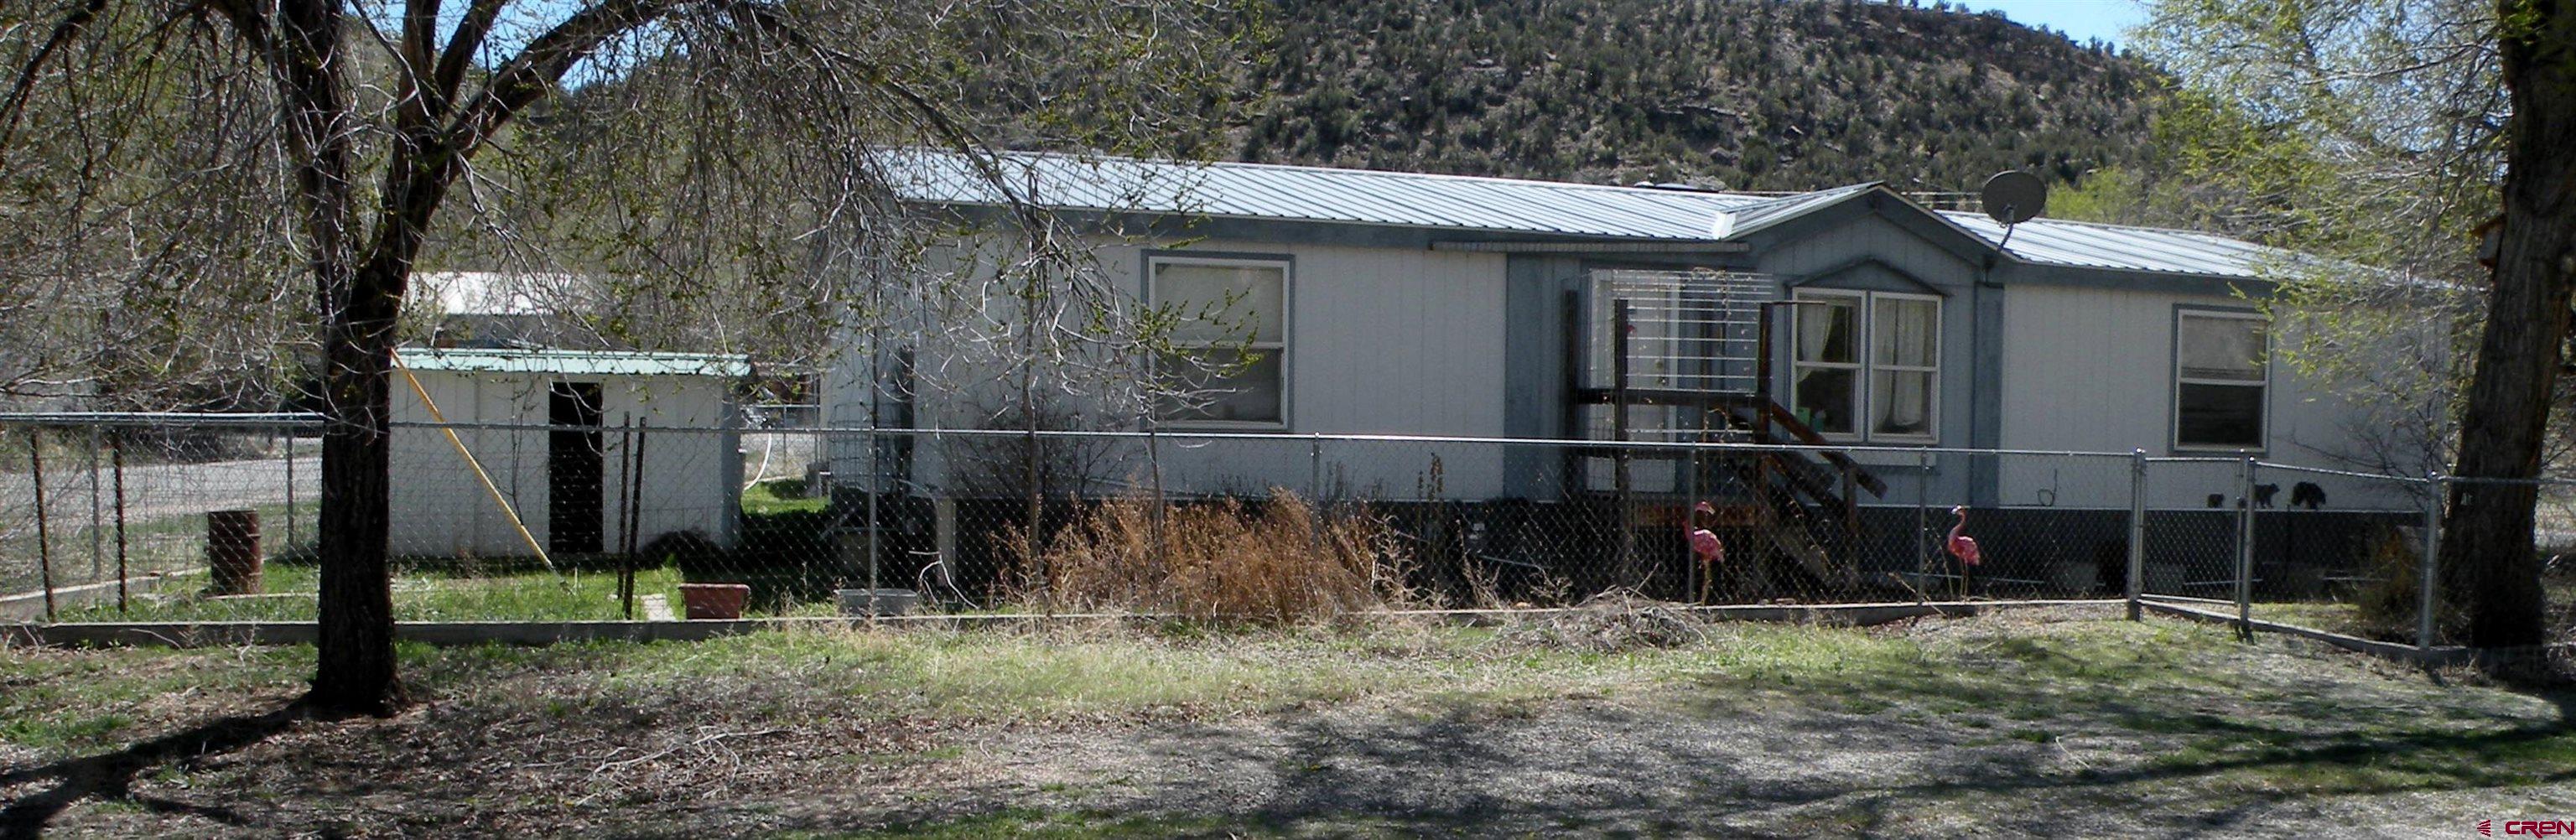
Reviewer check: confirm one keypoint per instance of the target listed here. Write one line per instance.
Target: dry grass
(2386, 608)
(1278, 562)
(1612, 622)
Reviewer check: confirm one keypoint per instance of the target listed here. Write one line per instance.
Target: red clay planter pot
(715, 601)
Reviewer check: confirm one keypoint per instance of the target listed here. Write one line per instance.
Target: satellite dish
(2013, 196)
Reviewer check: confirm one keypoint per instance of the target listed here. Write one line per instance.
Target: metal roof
(1354, 196)
(1746, 219)
(1505, 205)
(2088, 245)
(574, 362)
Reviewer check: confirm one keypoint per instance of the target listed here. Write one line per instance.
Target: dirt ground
(2018, 725)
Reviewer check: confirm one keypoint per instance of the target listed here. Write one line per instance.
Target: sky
(2081, 20)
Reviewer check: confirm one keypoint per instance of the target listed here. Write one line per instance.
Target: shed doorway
(574, 469)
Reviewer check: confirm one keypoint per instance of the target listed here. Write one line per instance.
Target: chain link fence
(89, 502)
(564, 522)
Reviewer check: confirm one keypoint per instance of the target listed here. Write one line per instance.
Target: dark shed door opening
(574, 471)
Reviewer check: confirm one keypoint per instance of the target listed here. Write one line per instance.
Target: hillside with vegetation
(1740, 95)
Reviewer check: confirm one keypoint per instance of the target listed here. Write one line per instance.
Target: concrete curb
(2434, 657)
(30, 605)
(535, 633)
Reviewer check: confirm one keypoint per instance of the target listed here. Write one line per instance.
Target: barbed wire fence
(123, 517)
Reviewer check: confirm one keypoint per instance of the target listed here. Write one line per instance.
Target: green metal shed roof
(574, 362)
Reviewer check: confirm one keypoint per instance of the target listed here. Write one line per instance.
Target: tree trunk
(355, 671)
(355, 668)
(2489, 569)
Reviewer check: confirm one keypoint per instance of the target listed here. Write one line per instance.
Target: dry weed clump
(1611, 622)
(1276, 562)
(2385, 608)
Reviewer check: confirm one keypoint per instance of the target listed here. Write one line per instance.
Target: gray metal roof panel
(1329, 195)
(1504, 205)
(2088, 245)
(1749, 218)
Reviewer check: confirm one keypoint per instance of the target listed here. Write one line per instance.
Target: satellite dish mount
(2012, 197)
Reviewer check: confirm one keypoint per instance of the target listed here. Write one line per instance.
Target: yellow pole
(488, 487)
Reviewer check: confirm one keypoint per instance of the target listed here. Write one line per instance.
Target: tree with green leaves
(693, 147)
(2388, 137)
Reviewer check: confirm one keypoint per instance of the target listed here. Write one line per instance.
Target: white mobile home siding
(1381, 341)
(2090, 368)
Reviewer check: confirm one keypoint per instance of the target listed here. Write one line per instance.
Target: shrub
(2386, 606)
(1279, 561)
(692, 550)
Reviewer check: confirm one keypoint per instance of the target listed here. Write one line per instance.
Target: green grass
(2176, 711)
(61, 704)
(419, 595)
(781, 495)
(168, 542)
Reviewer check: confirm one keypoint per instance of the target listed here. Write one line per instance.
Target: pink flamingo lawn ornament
(1705, 544)
(1962, 546)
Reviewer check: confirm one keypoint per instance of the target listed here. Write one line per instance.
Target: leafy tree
(2385, 135)
(2489, 554)
(688, 144)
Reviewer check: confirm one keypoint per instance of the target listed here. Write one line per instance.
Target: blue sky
(2081, 20)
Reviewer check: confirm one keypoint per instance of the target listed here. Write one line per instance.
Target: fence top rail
(309, 420)
(2543, 481)
(1298, 437)
(178, 419)
(2267, 465)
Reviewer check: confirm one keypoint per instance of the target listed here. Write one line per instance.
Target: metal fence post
(116, 460)
(2245, 549)
(1161, 519)
(625, 513)
(876, 485)
(44, 537)
(290, 487)
(1690, 498)
(1315, 467)
(97, 514)
(1922, 521)
(634, 521)
(2428, 582)
(2137, 529)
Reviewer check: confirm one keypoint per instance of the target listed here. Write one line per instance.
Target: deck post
(1623, 566)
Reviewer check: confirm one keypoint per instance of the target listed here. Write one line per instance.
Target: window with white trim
(1867, 365)
(2221, 376)
(1233, 328)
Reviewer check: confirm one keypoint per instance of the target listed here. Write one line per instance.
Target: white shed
(556, 431)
